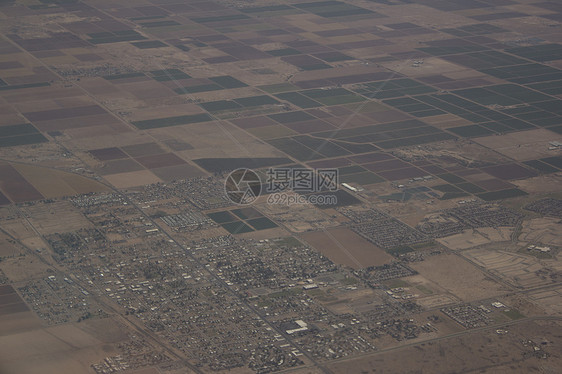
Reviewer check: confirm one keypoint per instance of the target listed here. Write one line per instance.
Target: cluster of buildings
(228, 302)
(57, 299)
(468, 216)
(373, 275)
(381, 229)
(546, 207)
(469, 316)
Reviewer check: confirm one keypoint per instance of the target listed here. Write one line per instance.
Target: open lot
(459, 277)
(522, 146)
(56, 217)
(345, 247)
(520, 270)
(485, 351)
(474, 238)
(60, 349)
(542, 230)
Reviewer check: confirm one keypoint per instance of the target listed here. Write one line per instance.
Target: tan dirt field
(473, 238)
(56, 350)
(458, 277)
(343, 246)
(523, 145)
(60, 216)
(544, 230)
(54, 183)
(132, 179)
